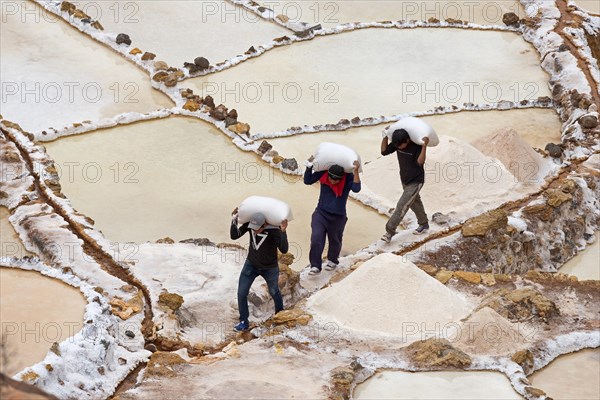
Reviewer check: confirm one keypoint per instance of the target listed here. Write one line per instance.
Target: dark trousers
(330, 226)
(247, 276)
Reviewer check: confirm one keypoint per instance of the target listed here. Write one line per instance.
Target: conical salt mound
(391, 296)
(515, 154)
(487, 332)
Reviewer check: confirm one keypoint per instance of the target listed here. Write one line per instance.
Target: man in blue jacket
(329, 218)
(265, 240)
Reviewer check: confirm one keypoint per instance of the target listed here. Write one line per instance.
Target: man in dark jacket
(411, 158)
(265, 240)
(329, 219)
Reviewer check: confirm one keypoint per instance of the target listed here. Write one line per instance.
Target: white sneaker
(314, 271)
(387, 237)
(330, 266)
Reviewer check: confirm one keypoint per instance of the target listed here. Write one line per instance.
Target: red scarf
(338, 188)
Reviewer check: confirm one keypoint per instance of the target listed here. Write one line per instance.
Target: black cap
(399, 136)
(336, 171)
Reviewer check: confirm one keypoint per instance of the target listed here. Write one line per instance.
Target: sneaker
(387, 237)
(330, 266)
(242, 326)
(421, 229)
(314, 271)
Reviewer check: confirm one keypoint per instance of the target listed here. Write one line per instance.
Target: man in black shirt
(261, 261)
(411, 158)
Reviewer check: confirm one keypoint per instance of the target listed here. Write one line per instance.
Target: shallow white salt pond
(35, 312)
(436, 385)
(586, 264)
(536, 126)
(375, 72)
(329, 13)
(53, 76)
(10, 243)
(181, 178)
(573, 376)
(179, 31)
(592, 6)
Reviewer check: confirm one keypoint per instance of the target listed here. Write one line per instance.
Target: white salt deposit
(216, 30)
(50, 69)
(436, 385)
(390, 296)
(527, 165)
(486, 332)
(341, 76)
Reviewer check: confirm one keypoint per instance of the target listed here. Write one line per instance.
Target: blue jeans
(247, 276)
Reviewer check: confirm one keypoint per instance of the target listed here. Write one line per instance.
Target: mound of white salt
(527, 165)
(459, 179)
(487, 332)
(391, 296)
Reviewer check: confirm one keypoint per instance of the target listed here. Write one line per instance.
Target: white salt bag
(275, 211)
(328, 154)
(417, 129)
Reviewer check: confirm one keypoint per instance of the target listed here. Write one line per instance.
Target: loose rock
(480, 225)
(241, 128)
(201, 62)
(123, 38)
(172, 301)
(553, 150)
(264, 147)
(437, 353)
(219, 113)
(289, 164)
(161, 66)
(147, 56)
(588, 121)
(209, 102)
(510, 19)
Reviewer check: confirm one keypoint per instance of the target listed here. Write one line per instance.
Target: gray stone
(554, 150)
(230, 121)
(201, 62)
(123, 38)
(510, 19)
(264, 147)
(588, 121)
(289, 164)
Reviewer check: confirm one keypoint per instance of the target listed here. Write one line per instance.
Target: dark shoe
(330, 266)
(421, 229)
(387, 237)
(242, 326)
(314, 271)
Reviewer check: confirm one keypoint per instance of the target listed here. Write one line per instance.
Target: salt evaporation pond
(179, 31)
(573, 376)
(375, 72)
(10, 243)
(592, 6)
(586, 264)
(536, 126)
(62, 77)
(35, 312)
(329, 13)
(436, 385)
(182, 178)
